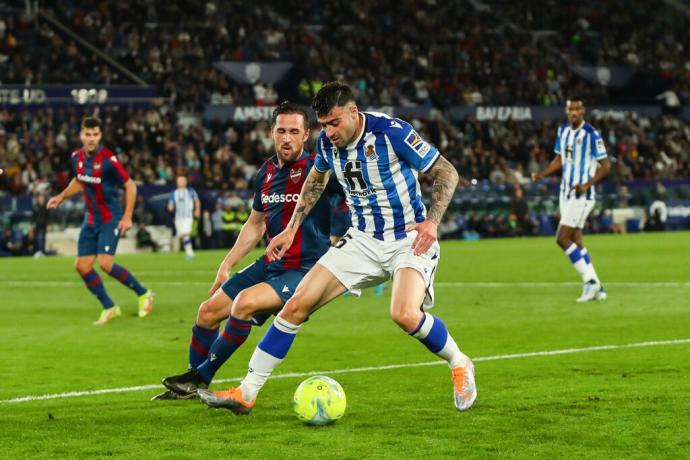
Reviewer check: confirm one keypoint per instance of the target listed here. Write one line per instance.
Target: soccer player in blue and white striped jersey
(376, 160)
(185, 203)
(581, 155)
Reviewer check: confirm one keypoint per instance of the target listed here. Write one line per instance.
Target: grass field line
(566, 351)
(481, 284)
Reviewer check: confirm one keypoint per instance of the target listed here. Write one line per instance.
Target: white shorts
(363, 261)
(183, 227)
(574, 212)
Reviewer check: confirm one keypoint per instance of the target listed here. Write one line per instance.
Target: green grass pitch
(500, 297)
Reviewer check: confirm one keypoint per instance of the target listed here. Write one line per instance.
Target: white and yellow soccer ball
(319, 400)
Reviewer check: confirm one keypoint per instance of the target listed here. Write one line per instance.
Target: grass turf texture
(625, 403)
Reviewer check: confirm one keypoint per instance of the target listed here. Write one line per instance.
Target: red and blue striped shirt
(101, 175)
(276, 193)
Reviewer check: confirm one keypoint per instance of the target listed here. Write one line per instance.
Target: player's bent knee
(243, 307)
(106, 266)
(407, 320)
(210, 313)
(295, 310)
(563, 241)
(82, 267)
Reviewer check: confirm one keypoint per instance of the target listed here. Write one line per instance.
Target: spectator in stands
(40, 220)
(144, 239)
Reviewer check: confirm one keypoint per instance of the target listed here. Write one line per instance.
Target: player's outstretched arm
(554, 166)
(312, 189)
(130, 198)
(251, 233)
(445, 179)
(72, 188)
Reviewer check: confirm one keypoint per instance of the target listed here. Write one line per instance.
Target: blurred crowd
(400, 53)
(155, 146)
(396, 52)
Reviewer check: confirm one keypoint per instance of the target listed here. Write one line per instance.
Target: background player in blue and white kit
(376, 159)
(185, 203)
(99, 174)
(581, 154)
(261, 289)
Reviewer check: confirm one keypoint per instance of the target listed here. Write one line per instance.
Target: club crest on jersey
(80, 165)
(371, 153)
(295, 174)
(418, 145)
(97, 166)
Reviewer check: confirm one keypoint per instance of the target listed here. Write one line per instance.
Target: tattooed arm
(312, 189)
(445, 179)
(311, 192)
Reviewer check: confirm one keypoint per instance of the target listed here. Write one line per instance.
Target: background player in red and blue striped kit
(260, 289)
(99, 175)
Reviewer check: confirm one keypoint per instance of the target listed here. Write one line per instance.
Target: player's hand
(124, 225)
(54, 202)
(536, 177)
(582, 188)
(197, 214)
(221, 277)
(427, 234)
(279, 245)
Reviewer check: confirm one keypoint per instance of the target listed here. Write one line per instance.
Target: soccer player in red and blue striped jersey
(99, 175)
(252, 294)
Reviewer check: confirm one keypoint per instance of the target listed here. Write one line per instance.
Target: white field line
(478, 284)
(566, 351)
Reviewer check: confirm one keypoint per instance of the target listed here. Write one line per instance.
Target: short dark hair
(288, 107)
(575, 98)
(330, 95)
(91, 122)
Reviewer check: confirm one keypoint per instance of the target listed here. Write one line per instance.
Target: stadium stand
(449, 55)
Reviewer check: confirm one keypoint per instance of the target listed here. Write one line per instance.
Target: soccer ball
(319, 400)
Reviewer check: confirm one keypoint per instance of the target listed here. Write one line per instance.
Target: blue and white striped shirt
(579, 150)
(378, 173)
(183, 200)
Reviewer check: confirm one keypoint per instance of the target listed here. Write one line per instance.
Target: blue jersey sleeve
(321, 161)
(598, 147)
(193, 194)
(410, 146)
(171, 197)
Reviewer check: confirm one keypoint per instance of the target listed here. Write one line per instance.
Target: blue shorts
(98, 239)
(284, 282)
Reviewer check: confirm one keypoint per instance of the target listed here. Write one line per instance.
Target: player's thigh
(413, 275)
(108, 237)
(83, 264)
(407, 296)
(318, 287)
(260, 298)
(87, 244)
(355, 262)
